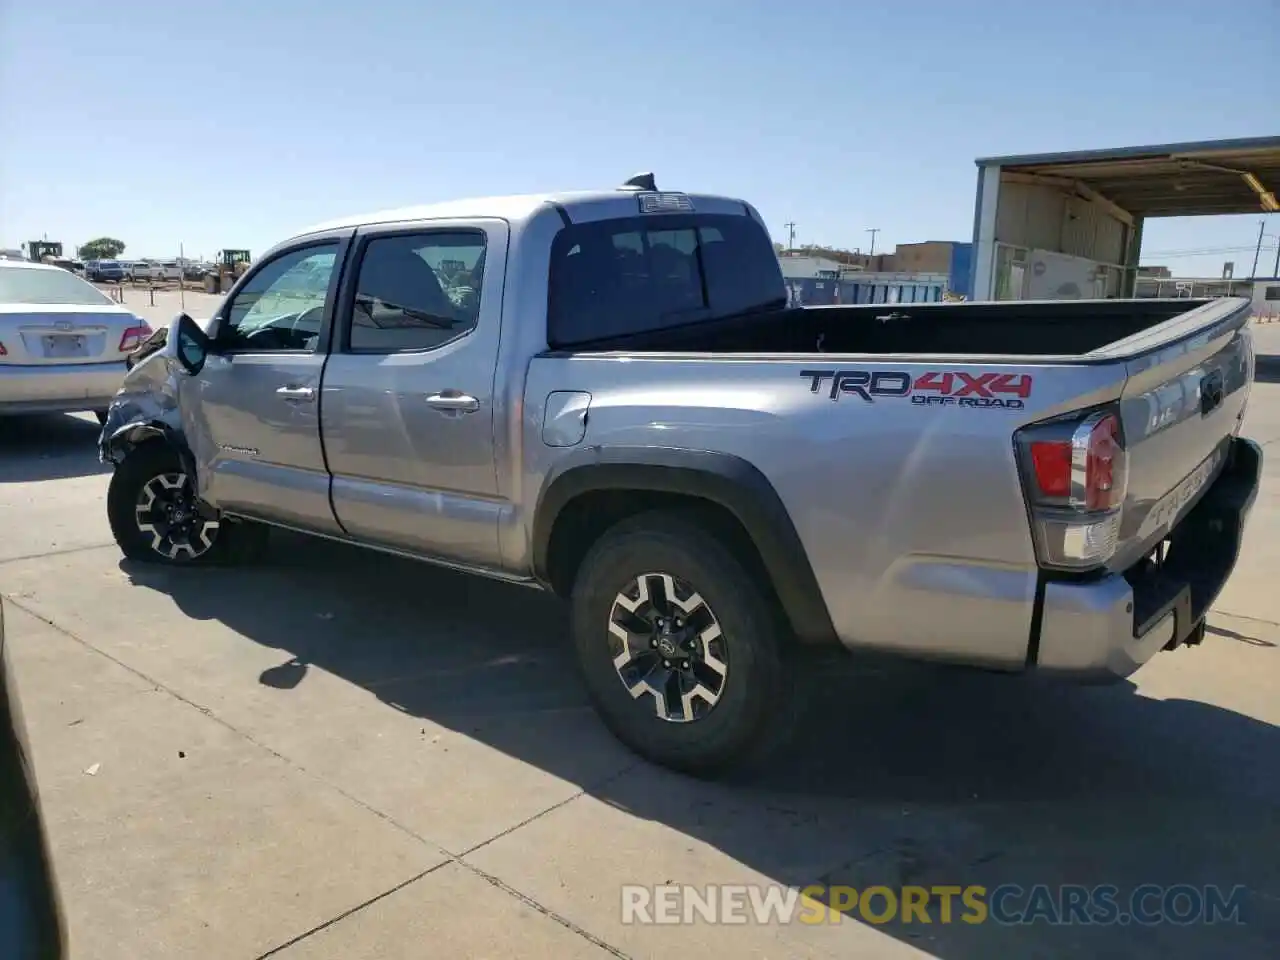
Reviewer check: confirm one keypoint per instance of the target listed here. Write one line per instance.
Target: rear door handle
(297, 394)
(452, 402)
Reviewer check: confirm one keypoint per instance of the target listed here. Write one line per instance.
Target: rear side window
(417, 291)
(614, 278)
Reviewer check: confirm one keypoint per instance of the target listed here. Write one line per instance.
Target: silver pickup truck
(606, 395)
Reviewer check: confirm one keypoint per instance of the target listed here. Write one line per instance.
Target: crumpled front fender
(145, 408)
(114, 447)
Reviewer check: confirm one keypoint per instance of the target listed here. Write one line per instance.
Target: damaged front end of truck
(149, 405)
(157, 439)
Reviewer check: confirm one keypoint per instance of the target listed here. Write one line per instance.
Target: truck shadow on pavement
(1219, 631)
(51, 447)
(907, 775)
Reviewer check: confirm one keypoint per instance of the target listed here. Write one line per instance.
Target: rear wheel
(154, 515)
(680, 645)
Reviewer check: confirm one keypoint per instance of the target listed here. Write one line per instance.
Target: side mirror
(192, 346)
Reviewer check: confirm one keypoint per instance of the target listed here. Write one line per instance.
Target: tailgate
(1183, 401)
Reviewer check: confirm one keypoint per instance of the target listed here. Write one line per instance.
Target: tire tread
(761, 722)
(139, 465)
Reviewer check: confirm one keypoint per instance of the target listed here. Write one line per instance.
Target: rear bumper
(1107, 628)
(59, 388)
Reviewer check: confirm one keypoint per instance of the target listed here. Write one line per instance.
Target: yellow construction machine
(229, 267)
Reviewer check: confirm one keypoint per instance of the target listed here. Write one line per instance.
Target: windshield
(27, 285)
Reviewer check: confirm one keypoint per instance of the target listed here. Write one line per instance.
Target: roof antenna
(642, 181)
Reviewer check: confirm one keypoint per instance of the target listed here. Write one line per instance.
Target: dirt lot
(337, 754)
(161, 305)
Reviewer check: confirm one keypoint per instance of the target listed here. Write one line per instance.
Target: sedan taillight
(134, 336)
(3, 351)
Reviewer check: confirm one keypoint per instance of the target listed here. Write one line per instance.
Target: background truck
(105, 271)
(605, 395)
(155, 270)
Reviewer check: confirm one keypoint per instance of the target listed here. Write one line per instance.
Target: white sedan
(63, 342)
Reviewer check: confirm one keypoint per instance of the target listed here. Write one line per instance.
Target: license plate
(58, 347)
(1172, 503)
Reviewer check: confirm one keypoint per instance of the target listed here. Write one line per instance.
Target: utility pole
(791, 234)
(1275, 271)
(873, 231)
(1257, 251)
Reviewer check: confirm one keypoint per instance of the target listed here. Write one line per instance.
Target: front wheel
(680, 646)
(153, 512)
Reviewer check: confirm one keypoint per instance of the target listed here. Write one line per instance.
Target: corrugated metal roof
(1238, 281)
(1175, 179)
(1126, 153)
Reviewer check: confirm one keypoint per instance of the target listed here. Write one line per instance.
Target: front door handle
(297, 394)
(452, 402)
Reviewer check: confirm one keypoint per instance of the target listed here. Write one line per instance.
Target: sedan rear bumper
(59, 388)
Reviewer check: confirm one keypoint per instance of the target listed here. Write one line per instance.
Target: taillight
(1076, 474)
(134, 336)
(1051, 460)
(1104, 475)
(3, 351)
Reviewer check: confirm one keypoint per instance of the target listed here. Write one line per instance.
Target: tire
(153, 470)
(754, 701)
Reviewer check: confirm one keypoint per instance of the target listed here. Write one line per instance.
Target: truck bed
(1020, 328)
(891, 443)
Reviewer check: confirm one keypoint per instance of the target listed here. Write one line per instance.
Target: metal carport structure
(1075, 219)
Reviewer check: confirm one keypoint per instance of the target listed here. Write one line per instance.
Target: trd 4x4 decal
(931, 388)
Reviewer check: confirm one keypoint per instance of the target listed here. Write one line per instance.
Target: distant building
(890, 286)
(799, 266)
(1157, 272)
(1264, 292)
(911, 273)
(864, 286)
(948, 257)
(931, 256)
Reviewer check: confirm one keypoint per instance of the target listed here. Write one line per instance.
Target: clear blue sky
(233, 123)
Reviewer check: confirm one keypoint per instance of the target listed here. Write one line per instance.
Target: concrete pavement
(338, 754)
(158, 307)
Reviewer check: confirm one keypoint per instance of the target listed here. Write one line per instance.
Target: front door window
(281, 307)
